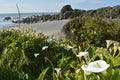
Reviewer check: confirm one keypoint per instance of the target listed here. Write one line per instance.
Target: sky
(28, 6)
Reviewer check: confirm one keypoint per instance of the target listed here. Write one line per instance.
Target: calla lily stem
(93, 58)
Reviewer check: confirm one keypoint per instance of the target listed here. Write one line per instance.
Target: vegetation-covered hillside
(105, 12)
(91, 30)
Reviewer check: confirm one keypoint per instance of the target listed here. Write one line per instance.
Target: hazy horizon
(37, 6)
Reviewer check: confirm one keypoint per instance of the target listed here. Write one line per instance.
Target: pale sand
(48, 28)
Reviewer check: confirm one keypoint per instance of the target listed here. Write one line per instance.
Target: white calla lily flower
(58, 70)
(116, 45)
(36, 54)
(45, 47)
(75, 49)
(49, 40)
(84, 54)
(95, 67)
(68, 47)
(109, 42)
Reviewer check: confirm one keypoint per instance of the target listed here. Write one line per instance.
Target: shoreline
(48, 28)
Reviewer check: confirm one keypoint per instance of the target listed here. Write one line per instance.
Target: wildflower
(49, 40)
(116, 46)
(68, 47)
(58, 70)
(45, 47)
(58, 73)
(36, 54)
(109, 42)
(95, 67)
(84, 54)
(75, 49)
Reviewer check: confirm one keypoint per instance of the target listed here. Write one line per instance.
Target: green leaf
(116, 75)
(41, 77)
(90, 51)
(115, 61)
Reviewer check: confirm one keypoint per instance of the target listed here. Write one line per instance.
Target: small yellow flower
(77, 71)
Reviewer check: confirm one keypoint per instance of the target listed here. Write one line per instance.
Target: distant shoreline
(48, 28)
(14, 16)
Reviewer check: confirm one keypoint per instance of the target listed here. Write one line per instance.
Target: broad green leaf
(90, 52)
(42, 75)
(116, 75)
(115, 61)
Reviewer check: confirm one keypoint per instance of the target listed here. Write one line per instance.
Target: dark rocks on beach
(35, 19)
(65, 9)
(7, 18)
(66, 13)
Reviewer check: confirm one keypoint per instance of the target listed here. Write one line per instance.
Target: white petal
(36, 54)
(84, 54)
(58, 70)
(116, 45)
(85, 69)
(45, 47)
(98, 66)
(109, 42)
(49, 40)
(69, 47)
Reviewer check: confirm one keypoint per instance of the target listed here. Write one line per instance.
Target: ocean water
(14, 16)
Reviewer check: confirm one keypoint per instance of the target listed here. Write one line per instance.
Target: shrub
(91, 30)
(17, 50)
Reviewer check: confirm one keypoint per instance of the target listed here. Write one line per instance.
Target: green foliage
(91, 30)
(18, 60)
(41, 77)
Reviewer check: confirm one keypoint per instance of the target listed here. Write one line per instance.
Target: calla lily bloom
(84, 54)
(49, 40)
(116, 45)
(36, 54)
(95, 67)
(45, 47)
(68, 47)
(58, 70)
(109, 42)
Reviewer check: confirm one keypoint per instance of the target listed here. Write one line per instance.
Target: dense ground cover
(92, 30)
(27, 56)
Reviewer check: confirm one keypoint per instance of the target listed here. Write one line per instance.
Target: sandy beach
(48, 28)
